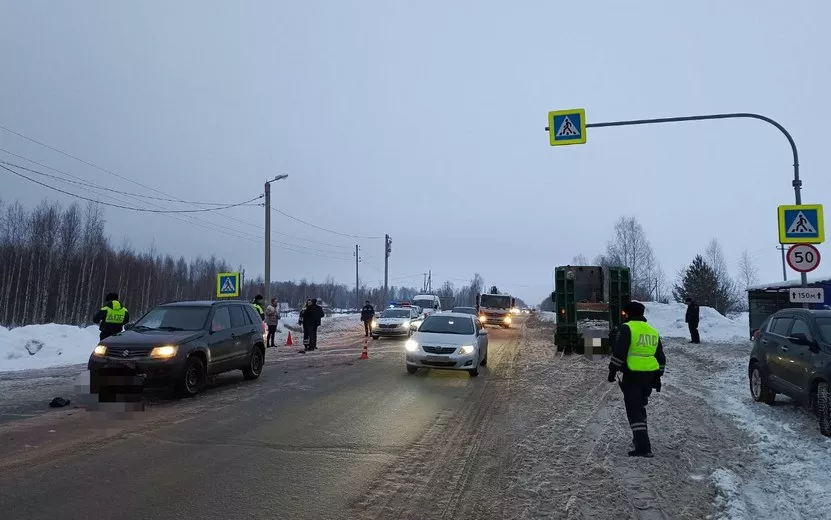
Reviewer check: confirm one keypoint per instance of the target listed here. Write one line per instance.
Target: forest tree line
(57, 264)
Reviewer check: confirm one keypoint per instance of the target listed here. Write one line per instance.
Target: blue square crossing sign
(567, 126)
(227, 285)
(801, 224)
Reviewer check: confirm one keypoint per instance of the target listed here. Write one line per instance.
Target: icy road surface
(326, 436)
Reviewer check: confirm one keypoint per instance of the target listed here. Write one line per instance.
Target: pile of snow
(668, 318)
(548, 316)
(43, 346)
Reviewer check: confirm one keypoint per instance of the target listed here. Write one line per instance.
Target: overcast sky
(424, 120)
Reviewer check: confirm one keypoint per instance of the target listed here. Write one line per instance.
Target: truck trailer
(589, 303)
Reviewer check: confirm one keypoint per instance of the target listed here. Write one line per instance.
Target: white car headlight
(374, 324)
(405, 325)
(411, 345)
(466, 349)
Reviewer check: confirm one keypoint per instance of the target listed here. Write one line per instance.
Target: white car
(448, 341)
(393, 322)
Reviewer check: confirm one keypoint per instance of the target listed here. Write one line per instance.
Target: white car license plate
(438, 358)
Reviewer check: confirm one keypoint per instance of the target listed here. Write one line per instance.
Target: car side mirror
(483, 332)
(129, 326)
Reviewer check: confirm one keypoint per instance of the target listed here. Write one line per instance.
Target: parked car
(180, 344)
(792, 356)
(449, 341)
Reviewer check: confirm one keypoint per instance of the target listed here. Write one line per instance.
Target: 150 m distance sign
(803, 258)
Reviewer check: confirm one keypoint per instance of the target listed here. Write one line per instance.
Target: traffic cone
(289, 342)
(365, 352)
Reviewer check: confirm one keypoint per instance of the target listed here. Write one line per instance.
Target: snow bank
(668, 318)
(548, 316)
(43, 346)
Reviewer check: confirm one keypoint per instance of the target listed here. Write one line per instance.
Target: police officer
(639, 355)
(258, 304)
(112, 317)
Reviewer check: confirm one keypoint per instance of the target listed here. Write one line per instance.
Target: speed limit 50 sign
(803, 258)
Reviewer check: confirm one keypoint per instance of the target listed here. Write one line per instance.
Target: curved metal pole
(797, 183)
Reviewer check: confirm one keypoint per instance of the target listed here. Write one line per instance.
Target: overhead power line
(144, 210)
(323, 228)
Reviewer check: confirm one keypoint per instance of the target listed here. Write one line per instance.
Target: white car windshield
(396, 313)
(442, 324)
(424, 304)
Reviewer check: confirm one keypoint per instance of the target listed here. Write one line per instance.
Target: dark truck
(589, 302)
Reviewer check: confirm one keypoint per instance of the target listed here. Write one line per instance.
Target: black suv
(180, 344)
(792, 355)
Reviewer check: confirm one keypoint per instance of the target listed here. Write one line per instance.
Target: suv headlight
(100, 350)
(164, 352)
(411, 345)
(466, 349)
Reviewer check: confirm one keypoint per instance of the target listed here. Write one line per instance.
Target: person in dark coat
(367, 314)
(312, 318)
(639, 355)
(692, 318)
(112, 317)
(302, 322)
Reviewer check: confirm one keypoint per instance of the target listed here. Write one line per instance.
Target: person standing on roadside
(311, 321)
(302, 322)
(272, 317)
(639, 354)
(367, 314)
(692, 319)
(111, 317)
(258, 304)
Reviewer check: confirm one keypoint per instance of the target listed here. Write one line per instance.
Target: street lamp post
(268, 236)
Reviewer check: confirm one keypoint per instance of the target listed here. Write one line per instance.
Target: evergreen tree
(699, 282)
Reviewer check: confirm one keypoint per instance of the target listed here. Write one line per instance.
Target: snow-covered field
(45, 346)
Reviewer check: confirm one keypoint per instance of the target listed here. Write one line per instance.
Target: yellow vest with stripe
(259, 308)
(642, 347)
(115, 313)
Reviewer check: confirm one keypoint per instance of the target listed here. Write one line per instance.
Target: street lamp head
(279, 178)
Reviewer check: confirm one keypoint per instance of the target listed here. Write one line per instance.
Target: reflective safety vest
(259, 309)
(115, 313)
(642, 347)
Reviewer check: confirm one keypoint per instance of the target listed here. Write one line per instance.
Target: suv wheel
(193, 377)
(759, 386)
(824, 408)
(255, 364)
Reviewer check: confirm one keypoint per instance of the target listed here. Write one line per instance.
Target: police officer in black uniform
(639, 355)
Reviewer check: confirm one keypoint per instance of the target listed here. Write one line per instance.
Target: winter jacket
(367, 312)
(259, 308)
(115, 324)
(272, 316)
(692, 316)
(621, 352)
(313, 315)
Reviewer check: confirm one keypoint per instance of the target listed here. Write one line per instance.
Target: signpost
(811, 295)
(803, 258)
(227, 285)
(801, 224)
(567, 126)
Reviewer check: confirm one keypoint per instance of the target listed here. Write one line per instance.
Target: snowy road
(537, 435)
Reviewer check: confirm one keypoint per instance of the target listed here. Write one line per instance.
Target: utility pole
(784, 269)
(387, 251)
(357, 287)
(429, 281)
(267, 274)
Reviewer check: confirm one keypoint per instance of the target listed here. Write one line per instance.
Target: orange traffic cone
(289, 342)
(365, 352)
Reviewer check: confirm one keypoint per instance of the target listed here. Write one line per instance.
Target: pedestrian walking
(639, 355)
(258, 304)
(367, 314)
(692, 318)
(272, 318)
(111, 317)
(311, 321)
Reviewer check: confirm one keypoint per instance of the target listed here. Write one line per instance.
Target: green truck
(589, 302)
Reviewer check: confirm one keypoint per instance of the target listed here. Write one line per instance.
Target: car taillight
(563, 312)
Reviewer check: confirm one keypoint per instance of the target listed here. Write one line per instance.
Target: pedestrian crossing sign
(227, 285)
(801, 224)
(567, 126)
